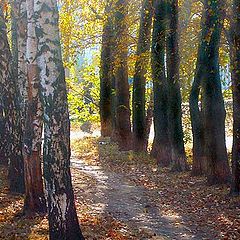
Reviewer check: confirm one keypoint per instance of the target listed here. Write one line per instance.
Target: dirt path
(123, 200)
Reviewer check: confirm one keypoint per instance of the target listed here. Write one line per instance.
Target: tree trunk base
(162, 154)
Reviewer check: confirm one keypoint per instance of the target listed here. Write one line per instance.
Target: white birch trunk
(63, 221)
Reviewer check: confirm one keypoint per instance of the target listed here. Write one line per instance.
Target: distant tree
(199, 166)
(174, 99)
(149, 119)
(32, 141)
(213, 112)
(123, 124)
(106, 74)
(4, 62)
(161, 148)
(235, 62)
(10, 112)
(139, 80)
(62, 216)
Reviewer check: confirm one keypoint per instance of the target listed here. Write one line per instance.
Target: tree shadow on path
(132, 204)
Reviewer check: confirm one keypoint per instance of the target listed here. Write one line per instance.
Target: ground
(125, 196)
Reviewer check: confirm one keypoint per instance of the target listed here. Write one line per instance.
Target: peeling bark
(34, 196)
(19, 41)
(63, 221)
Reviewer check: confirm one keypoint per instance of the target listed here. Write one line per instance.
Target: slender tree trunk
(161, 149)
(179, 162)
(235, 62)
(139, 80)
(34, 196)
(62, 215)
(213, 104)
(106, 76)
(11, 112)
(19, 42)
(123, 124)
(149, 119)
(3, 78)
(113, 108)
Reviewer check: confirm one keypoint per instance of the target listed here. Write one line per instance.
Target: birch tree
(32, 142)
(63, 221)
(10, 113)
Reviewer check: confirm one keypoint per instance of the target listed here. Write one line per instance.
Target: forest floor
(122, 195)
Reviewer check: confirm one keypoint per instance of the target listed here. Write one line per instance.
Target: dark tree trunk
(139, 80)
(161, 149)
(213, 104)
(62, 215)
(11, 112)
(123, 124)
(106, 73)
(235, 62)
(113, 110)
(199, 166)
(34, 196)
(175, 100)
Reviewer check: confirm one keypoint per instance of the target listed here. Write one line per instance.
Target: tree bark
(149, 119)
(199, 166)
(62, 215)
(4, 61)
(123, 124)
(161, 149)
(106, 73)
(213, 104)
(139, 80)
(179, 162)
(235, 62)
(34, 195)
(19, 41)
(10, 112)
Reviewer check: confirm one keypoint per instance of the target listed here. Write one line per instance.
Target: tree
(139, 80)
(63, 221)
(3, 78)
(106, 74)
(123, 124)
(19, 41)
(161, 149)
(174, 99)
(199, 166)
(235, 62)
(10, 112)
(213, 112)
(32, 142)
